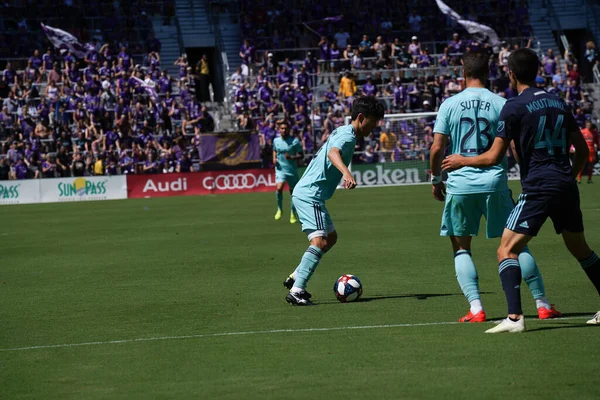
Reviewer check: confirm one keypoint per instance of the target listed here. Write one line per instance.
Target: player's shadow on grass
(418, 296)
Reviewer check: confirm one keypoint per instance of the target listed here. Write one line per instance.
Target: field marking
(243, 333)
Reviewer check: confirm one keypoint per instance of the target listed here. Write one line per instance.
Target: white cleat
(508, 326)
(595, 320)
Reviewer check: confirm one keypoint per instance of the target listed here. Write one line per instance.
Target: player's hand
(349, 182)
(453, 162)
(439, 191)
(287, 156)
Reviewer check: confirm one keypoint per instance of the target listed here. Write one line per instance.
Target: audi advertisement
(199, 183)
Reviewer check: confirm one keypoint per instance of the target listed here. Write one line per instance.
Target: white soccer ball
(347, 288)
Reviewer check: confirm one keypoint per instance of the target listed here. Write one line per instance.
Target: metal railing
(596, 71)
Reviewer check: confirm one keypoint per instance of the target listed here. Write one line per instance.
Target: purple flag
(64, 40)
(229, 148)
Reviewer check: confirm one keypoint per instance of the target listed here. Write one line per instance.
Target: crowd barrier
(58, 190)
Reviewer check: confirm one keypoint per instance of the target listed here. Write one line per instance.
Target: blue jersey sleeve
(341, 141)
(441, 121)
(506, 129)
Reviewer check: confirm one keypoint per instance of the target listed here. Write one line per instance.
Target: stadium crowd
(113, 112)
(117, 112)
(290, 73)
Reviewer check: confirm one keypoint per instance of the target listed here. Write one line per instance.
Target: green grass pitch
(184, 271)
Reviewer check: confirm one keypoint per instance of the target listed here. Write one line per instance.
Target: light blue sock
(279, 200)
(531, 274)
(466, 274)
(307, 266)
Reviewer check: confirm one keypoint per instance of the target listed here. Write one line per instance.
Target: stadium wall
(59, 190)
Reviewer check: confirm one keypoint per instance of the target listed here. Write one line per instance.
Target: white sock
(476, 306)
(542, 302)
(296, 289)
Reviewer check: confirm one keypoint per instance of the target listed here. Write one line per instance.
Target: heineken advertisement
(391, 174)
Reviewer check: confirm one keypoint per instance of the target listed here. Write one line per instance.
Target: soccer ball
(347, 288)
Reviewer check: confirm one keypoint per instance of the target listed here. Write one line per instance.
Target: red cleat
(470, 317)
(544, 313)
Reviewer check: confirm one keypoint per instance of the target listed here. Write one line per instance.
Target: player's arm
(440, 141)
(490, 158)
(275, 159)
(582, 152)
(335, 156)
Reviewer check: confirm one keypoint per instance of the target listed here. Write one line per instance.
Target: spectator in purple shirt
(36, 61)
(369, 89)
(125, 57)
(424, 59)
(549, 62)
(48, 167)
(247, 53)
(21, 170)
(9, 75)
(48, 59)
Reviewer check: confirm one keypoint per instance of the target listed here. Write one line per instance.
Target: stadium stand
(119, 112)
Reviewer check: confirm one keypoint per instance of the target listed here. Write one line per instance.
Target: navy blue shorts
(533, 209)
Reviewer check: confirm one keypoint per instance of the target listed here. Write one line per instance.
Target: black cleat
(299, 298)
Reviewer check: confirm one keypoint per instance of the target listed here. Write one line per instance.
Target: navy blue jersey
(540, 125)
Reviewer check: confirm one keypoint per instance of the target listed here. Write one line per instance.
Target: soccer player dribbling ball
(318, 184)
(542, 128)
(469, 120)
(287, 150)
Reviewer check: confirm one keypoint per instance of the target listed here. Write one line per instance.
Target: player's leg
(523, 224)
(460, 221)
(591, 166)
(511, 245)
(589, 261)
(317, 224)
(292, 180)
(580, 174)
(499, 206)
(568, 221)
(279, 183)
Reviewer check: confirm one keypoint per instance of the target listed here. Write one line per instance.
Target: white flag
(483, 32)
(447, 10)
(64, 40)
(148, 88)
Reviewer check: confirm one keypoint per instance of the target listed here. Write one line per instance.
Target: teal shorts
(291, 179)
(314, 217)
(463, 212)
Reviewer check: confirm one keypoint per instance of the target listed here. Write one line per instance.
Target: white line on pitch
(209, 335)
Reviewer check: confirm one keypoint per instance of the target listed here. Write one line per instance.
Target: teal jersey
(470, 119)
(321, 177)
(290, 145)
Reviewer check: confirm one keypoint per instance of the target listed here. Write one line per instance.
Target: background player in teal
(469, 120)
(542, 128)
(287, 150)
(318, 184)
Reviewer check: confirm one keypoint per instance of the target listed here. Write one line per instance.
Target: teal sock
(466, 274)
(307, 266)
(279, 200)
(531, 274)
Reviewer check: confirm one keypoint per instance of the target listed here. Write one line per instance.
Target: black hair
(524, 63)
(367, 106)
(476, 65)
